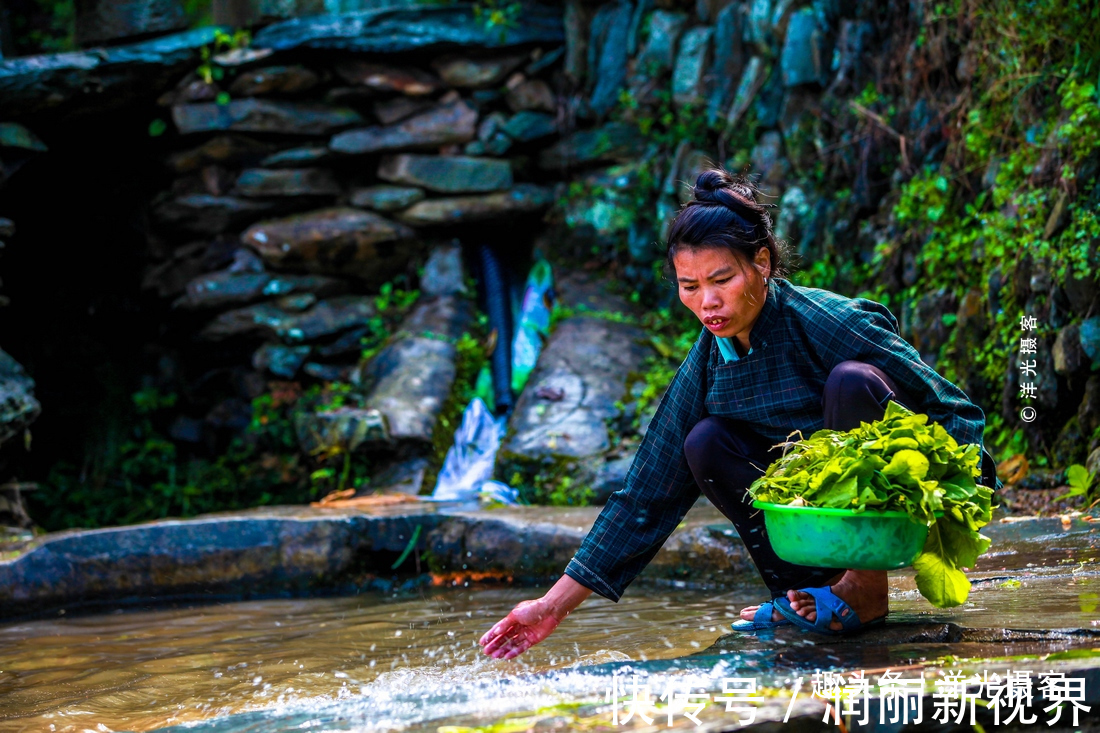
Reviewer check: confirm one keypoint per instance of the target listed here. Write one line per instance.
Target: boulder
(221, 150)
(303, 157)
(588, 362)
(768, 161)
(338, 241)
(98, 80)
(443, 272)
(423, 28)
(260, 182)
(226, 288)
(470, 73)
(455, 122)
(729, 61)
(110, 21)
(441, 317)
(614, 141)
(758, 23)
(282, 361)
(264, 115)
(576, 17)
(14, 135)
(447, 174)
(1090, 339)
(692, 63)
(410, 380)
(205, 214)
(527, 126)
(852, 64)
(530, 94)
(607, 54)
(273, 80)
(525, 198)
(752, 79)
(658, 54)
(803, 59)
(1067, 352)
(343, 428)
(269, 321)
(407, 80)
(389, 111)
(18, 406)
(386, 198)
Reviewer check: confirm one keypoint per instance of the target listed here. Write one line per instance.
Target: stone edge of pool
(304, 550)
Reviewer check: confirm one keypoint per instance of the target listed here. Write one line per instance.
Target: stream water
(405, 659)
(411, 662)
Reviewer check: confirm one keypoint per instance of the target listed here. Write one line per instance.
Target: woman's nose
(711, 298)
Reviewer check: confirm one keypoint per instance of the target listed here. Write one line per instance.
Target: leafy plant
(1080, 481)
(499, 15)
(899, 463)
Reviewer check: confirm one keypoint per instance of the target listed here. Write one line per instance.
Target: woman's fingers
(498, 628)
(498, 635)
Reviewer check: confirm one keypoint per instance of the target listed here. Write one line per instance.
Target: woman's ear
(763, 261)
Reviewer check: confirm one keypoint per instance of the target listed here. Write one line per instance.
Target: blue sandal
(762, 619)
(830, 607)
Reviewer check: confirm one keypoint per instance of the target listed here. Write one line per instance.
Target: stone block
(447, 174)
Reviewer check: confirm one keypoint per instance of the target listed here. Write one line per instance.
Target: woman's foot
(748, 612)
(866, 591)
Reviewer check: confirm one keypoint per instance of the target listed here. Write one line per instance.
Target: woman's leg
(725, 457)
(855, 392)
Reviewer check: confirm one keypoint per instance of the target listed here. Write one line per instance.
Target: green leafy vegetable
(898, 463)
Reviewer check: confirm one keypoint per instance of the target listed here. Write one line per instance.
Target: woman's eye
(724, 280)
(689, 288)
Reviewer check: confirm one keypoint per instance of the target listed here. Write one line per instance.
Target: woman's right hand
(529, 623)
(532, 621)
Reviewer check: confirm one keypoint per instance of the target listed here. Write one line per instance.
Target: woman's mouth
(715, 323)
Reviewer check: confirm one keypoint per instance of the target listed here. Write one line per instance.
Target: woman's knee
(703, 442)
(847, 378)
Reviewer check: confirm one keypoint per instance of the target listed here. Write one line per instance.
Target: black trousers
(726, 456)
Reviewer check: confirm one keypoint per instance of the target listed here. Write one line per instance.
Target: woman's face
(724, 291)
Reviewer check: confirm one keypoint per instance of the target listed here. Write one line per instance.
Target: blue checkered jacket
(800, 335)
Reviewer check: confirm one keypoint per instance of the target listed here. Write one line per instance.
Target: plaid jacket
(800, 335)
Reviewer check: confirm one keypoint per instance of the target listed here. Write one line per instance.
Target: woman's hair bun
(717, 186)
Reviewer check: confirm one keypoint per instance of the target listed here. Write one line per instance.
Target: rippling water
(407, 659)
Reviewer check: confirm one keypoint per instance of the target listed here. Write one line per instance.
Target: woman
(772, 358)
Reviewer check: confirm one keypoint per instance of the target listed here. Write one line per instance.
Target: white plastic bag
(469, 462)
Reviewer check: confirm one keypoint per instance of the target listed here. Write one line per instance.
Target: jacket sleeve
(658, 492)
(866, 331)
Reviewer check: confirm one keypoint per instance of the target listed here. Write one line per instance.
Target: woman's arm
(634, 523)
(532, 621)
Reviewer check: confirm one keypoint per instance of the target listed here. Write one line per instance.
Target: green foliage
(1029, 127)
(899, 463)
(148, 477)
(49, 30)
(553, 486)
(210, 72)
(1081, 483)
(391, 304)
(499, 15)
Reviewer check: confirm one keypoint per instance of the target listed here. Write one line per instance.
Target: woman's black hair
(726, 215)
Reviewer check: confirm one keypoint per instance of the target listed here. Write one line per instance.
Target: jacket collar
(769, 315)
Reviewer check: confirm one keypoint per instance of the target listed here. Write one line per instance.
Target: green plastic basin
(842, 538)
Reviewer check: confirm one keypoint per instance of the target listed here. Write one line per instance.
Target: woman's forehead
(707, 258)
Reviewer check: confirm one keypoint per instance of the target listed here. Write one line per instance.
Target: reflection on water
(143, 670)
